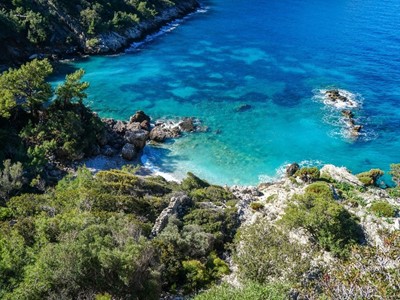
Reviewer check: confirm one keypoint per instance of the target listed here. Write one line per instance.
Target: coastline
(108, 43)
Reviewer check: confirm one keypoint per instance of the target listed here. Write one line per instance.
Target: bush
(383, 209)
(320, 189)
(264, 253)
(371, 177)
(328, 222)
(256, 206)
(192, 182)
(308, 174)
(249, 291)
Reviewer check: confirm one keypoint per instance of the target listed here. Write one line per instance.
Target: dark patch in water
(290, 97)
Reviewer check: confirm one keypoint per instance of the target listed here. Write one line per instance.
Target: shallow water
(275, 56)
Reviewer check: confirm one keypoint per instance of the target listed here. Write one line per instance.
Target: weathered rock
(133, 126)
(348, 113)
(103, 139)
(161, 133)
(107, 150)
(109, 122)
(177, 207)
(187, 125)
(145, 125)
(335, 95)
(119, 127)
(340, 174)
(292, 169)
(128, 151)
(139, 117)
(137, 138)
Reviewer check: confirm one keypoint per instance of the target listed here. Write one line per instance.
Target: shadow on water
(160, 159)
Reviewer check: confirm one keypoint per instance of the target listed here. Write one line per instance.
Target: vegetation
(250, 291)
(371, 177)
(328, 222)
(383, 209)
(308, 174)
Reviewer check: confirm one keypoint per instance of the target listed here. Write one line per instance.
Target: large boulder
(128, 151)
(138, 138)
(292, 169)
(139, 117)
(161, 133)
(119, 127)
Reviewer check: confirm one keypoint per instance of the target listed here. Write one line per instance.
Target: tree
(25, 87)
(72, 88)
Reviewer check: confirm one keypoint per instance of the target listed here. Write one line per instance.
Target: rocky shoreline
(105, 43)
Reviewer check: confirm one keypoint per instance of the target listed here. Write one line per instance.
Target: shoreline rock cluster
(348, 117)
(129, 138)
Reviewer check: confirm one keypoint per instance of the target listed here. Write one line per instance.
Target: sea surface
(276, 57)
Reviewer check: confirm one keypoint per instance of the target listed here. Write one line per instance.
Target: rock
(348, 113)
(145, 125)
(133, 126)
(95, 150)
(187, 125)
(103, 139)
(128, 151)
(335, 95)
(177, 206)
(119, 127)
(137, 138)
(243, 107)
(340, 174)
(292, 169)
(158, 134)
(107, 150)
(109, 122)
(139, 117)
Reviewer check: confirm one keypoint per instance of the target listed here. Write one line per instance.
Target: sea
(255, 73)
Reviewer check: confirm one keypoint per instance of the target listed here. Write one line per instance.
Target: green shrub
(370, 178)
(328, 222)
(383, 209)
(256, 206)
(250, 291)
(320, 189)
(264, 253)
(192, 182)
(395, 172)
(308, 174)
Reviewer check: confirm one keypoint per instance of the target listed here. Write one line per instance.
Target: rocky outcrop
(340, 174)
(172, 129)
(292, 169)
(353, 128)
(177, 207)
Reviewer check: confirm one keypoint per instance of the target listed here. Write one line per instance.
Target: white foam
(354, 100)
(165, 29)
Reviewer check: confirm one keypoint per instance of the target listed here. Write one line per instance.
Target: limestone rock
(177, 205)
(340, 174)
(187, 125)
(128, 151)
(107, 150)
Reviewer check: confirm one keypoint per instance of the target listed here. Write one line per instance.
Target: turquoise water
(274, 56)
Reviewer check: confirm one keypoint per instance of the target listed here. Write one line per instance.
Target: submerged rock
(243, 107)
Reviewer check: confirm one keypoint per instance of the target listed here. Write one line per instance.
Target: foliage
(72, 88)
(368, 273)
(256, 205)
(25, 87)
(383, 209)
(370, 178)
(11, 178)
(395, 172)
(192, 182)
(250, 291)
(264, 253)
(308, 174)
(328, 222)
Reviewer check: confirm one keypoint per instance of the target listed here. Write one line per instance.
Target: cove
(272, 58)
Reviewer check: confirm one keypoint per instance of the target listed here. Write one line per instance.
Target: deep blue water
(274, 56)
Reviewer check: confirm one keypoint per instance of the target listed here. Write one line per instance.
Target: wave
(163, 30)
(280, 172)
(354, 100)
